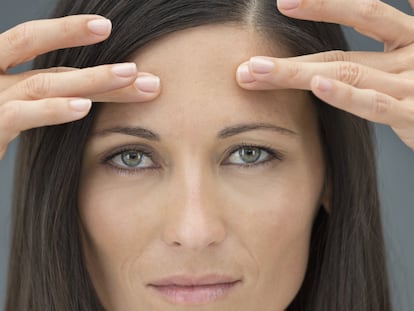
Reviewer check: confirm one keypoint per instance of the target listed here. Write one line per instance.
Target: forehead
(197, 67)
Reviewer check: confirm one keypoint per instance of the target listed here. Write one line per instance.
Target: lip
(191, 290)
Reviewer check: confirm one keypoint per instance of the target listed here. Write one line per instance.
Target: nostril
(194, 233)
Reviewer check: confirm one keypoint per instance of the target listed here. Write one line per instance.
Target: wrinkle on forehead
(197, 67)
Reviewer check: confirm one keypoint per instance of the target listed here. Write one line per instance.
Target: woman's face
(204, 197)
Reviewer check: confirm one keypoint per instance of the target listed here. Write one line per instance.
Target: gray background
(395, 168)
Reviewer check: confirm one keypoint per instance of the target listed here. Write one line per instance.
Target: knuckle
(61, 69)
(349, 73)
(369, 8)
(409, 113)
(21, 37)
(67, 29)
(317, 6)
(403, 60)
(293, 70)
(37, 86)
(337, 55)
(381, 104)
(10, 118)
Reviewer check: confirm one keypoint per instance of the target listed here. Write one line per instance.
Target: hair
(346, 269)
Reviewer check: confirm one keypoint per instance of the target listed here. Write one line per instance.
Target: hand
(58, 95)
(376, 86)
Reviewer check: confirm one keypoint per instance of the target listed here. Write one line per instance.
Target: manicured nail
(80, 104)
(100, 27)
(261, 65)
(124, 70)
(322, 84)
(149, 84)
(288, 4)
(244, 75)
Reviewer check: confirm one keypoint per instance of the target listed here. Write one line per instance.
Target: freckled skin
(194, 215)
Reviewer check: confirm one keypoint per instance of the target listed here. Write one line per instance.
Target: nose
(194, 216)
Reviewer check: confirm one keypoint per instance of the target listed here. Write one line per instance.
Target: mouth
(187, 290)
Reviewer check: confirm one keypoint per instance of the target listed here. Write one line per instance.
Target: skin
(197, 212)
(43, 97)
(375, 86)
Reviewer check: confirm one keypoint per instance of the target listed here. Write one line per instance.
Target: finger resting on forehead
(298, 75)
(30, 39)
(367, 16)
(397, 61)
(11, 79)
(365, 103)
(77, 83)
(129, 94)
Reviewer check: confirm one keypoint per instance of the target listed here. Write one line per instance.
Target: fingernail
(288, 4)
(80, 105)
(100, 27)
(244, 75)
(149, 84)
(322, 84)
(261, 65)
(124, 70)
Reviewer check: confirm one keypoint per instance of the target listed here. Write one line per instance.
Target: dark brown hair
(346, 269)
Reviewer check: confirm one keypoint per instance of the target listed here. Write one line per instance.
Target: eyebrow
(224, 133)
(241, 128)
(131, 131)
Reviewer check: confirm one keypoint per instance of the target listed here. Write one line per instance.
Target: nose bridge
(193, 218)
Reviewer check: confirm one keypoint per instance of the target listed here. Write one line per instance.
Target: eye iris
(131, 158)
(250, 155)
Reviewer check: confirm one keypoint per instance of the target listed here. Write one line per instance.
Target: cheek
(117, 225)
(274, 221)
(268, 216)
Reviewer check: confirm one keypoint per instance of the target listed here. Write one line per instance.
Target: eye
(251, 155)
(132, 159)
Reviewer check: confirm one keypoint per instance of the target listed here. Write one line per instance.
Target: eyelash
(108, 159)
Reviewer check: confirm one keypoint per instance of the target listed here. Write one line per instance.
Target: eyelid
(107, 159)
(152, 155)
(276, 154)
(116, 151)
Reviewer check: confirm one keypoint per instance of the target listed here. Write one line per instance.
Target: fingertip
(288, 5)
(244, 75)
(80, 105)
(261, 65)
(321, 84)
(148, 83)
(100, 26)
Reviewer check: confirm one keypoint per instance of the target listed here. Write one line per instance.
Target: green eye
(131, 158)
(250, 154)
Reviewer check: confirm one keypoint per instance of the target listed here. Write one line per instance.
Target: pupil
(250, 155)
(131, 158)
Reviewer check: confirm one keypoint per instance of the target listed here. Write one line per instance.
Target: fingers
(17, 116)
(82, 83)
(145, 88)
(394, 62)
(366, 16)
(368, 104)
(7, 81)
(266, 73)
(30, 39)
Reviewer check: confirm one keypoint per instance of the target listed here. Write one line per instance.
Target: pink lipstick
(194, 290)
